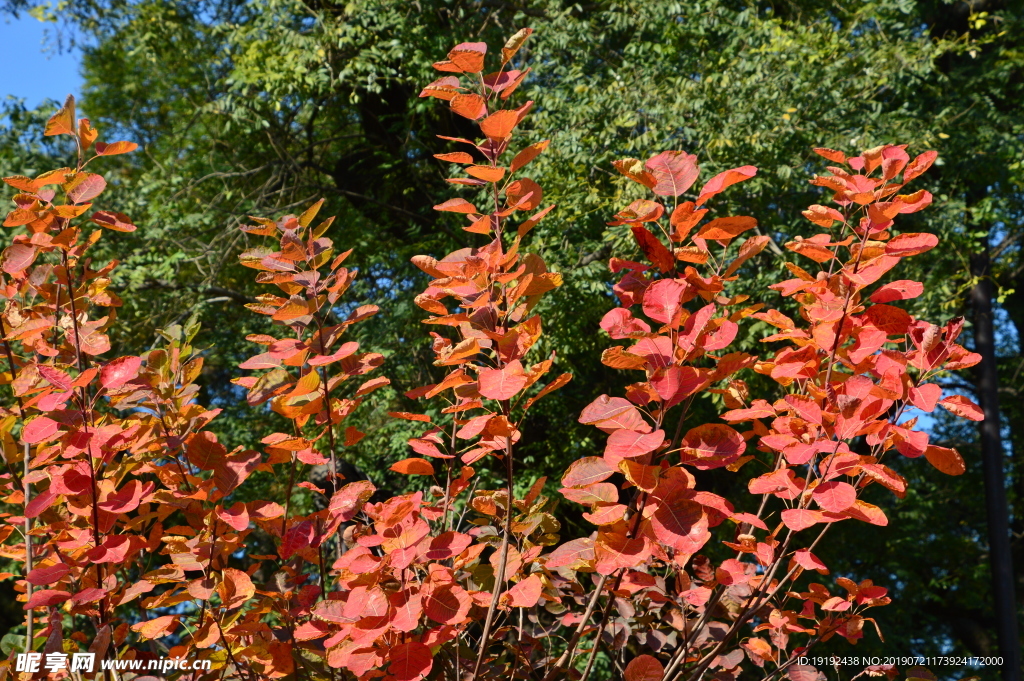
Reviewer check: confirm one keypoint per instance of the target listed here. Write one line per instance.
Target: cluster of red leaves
(127, 497)
(849, 370)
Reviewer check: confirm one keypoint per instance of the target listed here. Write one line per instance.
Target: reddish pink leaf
(526, 593)
(807, 560)
(587, 471)
(39, 429)
(904, 289)
(18, 256)
(237, 516)
(85, 187)
(681, 523)
(116, 373)
(924, 397)
(835, 496)
(447, 545)
(625, 444)
(798, 519)
(674, 172)
(502, 384)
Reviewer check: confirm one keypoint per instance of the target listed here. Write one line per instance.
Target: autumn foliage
(122, 508)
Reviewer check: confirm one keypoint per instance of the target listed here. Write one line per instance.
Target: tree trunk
(996, 510)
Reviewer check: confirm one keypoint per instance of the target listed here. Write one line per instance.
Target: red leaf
(962, 406)
(113, 549)
(447, 604)
(835, 496)
(502, 384)
(299, 536)
(447, 545)
(413, 466)
(126, 499)
(42, 576)
(40, 502)
(116, 373)
(46, 598)
(410, 661)
(652, 247)
(722, 180)
(674, 172)
(904, 289)
(945, 459)
(644, 668)
(663, 299)
(925, 396)
(56, 377)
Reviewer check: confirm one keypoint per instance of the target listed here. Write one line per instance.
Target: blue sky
(30, 67)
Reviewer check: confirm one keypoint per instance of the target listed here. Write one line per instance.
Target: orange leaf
(456, 206)
(235, 589)
(486, 173)
(499, 124)
(62, 122)
(528, 154)
(633, 168)
(157, 627)
(722, 229)
(115, 148)
(723, 180)
(455, 157)
(945, 459)
(413, 466)
(962, 406)
(471, 106)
